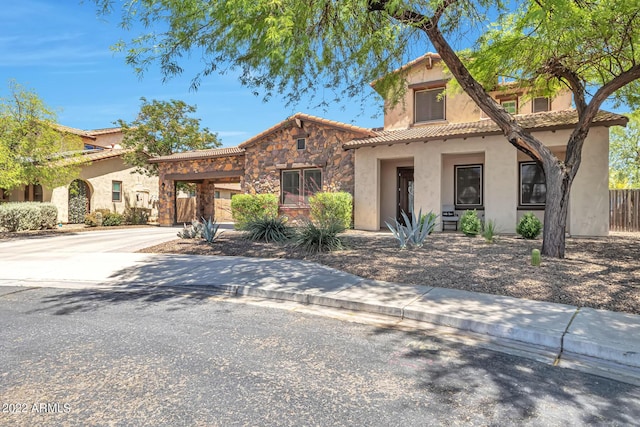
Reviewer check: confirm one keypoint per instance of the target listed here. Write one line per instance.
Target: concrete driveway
(70, 258)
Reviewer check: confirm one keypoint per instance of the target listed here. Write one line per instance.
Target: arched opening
(79, 201)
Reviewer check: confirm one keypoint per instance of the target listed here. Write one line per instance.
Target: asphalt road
(87, 357)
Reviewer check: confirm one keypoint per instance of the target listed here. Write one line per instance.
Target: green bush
(91, 219)
(470, 223)
(529, 226)
(110, 219)
(489, 231)
(328, 208)
(135, 216)
(27, 216)
(250, 207)
(269, 230)
(314, 239)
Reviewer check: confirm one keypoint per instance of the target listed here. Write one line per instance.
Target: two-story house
(435, 149)
(438, 149)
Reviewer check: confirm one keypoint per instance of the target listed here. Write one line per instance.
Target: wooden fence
(624, 210)
(186, 209)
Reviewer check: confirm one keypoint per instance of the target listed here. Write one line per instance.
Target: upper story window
(429, 105)
(533, 186)
(541, 104)
(510, 105)
(301, 143)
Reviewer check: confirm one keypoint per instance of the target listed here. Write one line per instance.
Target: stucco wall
(433, 175)
(459, 107)
(100, 175)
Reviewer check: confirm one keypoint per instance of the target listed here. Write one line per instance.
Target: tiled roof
(307, 117)
(91, 156)
(73, 131)
(104, 131)
(199, 154)
(539, 121)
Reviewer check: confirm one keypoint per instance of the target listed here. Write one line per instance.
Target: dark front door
(405, 193)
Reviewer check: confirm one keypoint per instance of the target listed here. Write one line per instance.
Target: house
(294, 159)
(105, 181)
(435, 149)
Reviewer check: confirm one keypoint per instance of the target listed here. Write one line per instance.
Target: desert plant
(489, 231)
(249, 207)
(415, 229)
(327, 208)
(210, 230)
(191, 231)
(529, 226)
(470, 223)
(269, 230)
(535, 257)
(313, 238)
(91, 220)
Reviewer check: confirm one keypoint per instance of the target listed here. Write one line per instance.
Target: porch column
(501, 185)
(366, 197)
(166, 202)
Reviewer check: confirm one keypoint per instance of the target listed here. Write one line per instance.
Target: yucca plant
(489, 231)
(210, 230)
(314, 239)
(267, 229)
(191, 231)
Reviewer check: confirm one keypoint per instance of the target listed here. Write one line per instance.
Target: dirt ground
(601, 273)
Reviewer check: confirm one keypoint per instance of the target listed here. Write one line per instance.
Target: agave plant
(415, 229)
(210, 230)
(191, 231)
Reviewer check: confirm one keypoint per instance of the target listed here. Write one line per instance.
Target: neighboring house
(293, 159)
(435, 149)
(105, 181)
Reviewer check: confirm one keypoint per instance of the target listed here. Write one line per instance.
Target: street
(160, 357)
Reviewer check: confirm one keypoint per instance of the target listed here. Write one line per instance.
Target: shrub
(111, 219)
(192, 231)
(136, 216)
(314, 239)
(529, 226)
(489, 231)
(269, 230)
(210, 230)
(470, 223)
(328, 208)
(249, 207)
(27, 216)
(91, 219)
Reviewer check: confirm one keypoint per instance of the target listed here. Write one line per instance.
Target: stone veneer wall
(278, 151)
(230, 168)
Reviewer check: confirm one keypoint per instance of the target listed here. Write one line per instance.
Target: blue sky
(60, 50)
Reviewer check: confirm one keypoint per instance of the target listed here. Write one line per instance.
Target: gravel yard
(600, 273)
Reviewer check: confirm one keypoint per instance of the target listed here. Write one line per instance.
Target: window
(33, 193)
(540, 104)
(429, 105)
(298, 185)
(468, 186)
(511, 106)
(216, 194)
(37, 193)
(116, 191)
(533, 187)
(301, 143)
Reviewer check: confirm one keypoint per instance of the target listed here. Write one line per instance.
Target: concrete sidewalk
(602, 342)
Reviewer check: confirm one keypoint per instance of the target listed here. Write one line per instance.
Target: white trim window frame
(533, 186)
(430, 113)
(510, 105)
(468, 186)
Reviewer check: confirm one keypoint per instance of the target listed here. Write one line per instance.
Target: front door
(405, 193)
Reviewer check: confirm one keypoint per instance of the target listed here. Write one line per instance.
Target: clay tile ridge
(426, 57)
(306, 117)
(73, 131)
(550, 120)
(104, 131)
(209, 153)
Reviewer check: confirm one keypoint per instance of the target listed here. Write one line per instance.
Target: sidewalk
(603, 342)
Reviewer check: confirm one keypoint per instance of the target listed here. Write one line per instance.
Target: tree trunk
(556, 210)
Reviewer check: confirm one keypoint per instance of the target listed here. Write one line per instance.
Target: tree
(294, 48)
(624, 154)
(163, 128)
(32, 144)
